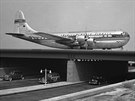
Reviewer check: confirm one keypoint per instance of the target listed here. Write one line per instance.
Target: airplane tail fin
(20, 24)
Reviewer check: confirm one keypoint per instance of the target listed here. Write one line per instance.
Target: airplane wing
(51, 36)
(58, 39)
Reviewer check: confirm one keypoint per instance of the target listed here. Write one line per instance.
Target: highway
(40, 94)
(18, 83)
(47, 93)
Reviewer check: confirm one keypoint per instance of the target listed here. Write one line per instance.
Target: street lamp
(45, 70)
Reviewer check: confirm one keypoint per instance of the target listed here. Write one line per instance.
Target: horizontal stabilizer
(15, 34)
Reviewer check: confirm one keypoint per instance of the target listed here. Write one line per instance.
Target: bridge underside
(111, 70)
(72, 65)
(31, 67)
(69, 70)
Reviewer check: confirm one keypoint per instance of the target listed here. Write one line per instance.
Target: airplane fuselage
(70, 40)
(89, 40)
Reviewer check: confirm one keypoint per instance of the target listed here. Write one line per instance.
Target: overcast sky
(66, 15)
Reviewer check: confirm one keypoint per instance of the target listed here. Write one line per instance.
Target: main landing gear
(121, 48)
(106, 48)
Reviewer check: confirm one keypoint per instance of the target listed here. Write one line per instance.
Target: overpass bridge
(71, 54)
(72, 64)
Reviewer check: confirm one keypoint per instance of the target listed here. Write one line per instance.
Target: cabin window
(105, 35)
(109, 35)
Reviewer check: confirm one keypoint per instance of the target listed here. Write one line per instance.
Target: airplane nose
(126, 34)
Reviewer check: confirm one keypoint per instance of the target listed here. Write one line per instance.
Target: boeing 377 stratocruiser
(70, 40)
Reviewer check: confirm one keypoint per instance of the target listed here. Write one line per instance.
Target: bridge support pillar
(78, 71)
(72, 74)
(83, 70)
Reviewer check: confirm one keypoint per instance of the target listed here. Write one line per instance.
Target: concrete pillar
(83, 70)
(72, 73)
(78, 71)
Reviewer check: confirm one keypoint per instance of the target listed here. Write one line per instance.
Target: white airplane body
(70, 40)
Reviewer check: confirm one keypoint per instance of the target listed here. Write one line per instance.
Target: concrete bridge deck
(120, 55)
(110, 63)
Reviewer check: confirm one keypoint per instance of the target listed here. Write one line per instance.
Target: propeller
(86, 42)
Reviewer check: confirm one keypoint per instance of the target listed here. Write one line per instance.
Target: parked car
(97, 80)
(13, 76)
(51, 77)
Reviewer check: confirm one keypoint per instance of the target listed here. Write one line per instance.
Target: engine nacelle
(80, 38)
(90, 42)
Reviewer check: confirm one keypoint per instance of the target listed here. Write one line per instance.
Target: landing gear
(121, 48)
(90, 48)
(86, 45)
(106, 48)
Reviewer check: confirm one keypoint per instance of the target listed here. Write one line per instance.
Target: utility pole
(45, 70)
(45, 76)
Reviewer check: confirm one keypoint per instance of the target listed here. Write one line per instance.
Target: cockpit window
(115, 36)
(123, 33)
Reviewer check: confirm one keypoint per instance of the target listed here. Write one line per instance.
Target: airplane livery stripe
(103, 39)
(19, 21)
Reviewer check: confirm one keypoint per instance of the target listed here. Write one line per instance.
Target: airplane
(70, 40)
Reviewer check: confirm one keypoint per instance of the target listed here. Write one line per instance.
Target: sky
(65, 16)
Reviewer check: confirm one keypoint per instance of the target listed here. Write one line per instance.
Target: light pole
(45, 70)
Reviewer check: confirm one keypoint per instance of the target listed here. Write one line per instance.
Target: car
(51, 78)
(14, 75)
(97, 80)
